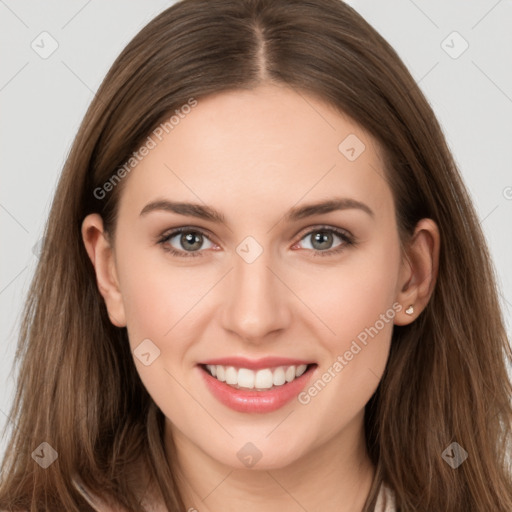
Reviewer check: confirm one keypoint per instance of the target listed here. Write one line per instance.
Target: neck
(339, 466)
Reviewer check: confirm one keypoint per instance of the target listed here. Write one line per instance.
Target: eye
(322, 239)
(189, 241)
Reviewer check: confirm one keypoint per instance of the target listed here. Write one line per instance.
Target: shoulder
(385, 500)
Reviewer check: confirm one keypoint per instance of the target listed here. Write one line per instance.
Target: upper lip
(255, 364)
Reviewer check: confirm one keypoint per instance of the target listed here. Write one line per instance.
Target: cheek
(149, 307)
(157, 294)
(353, 296)
(158, 299)
(356, 303)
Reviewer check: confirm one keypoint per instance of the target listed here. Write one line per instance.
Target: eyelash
(348, 240)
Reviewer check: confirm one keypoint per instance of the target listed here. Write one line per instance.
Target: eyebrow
(210, 214)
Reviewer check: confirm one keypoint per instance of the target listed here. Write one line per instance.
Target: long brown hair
(446, 380)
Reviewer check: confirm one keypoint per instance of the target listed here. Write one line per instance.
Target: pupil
(322, 235)
(189, 239)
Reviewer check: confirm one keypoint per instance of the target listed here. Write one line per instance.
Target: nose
(257, 304)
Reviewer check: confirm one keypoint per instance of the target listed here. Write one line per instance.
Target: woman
(263, 285)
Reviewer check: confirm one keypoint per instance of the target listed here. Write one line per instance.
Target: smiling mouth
(264, 379)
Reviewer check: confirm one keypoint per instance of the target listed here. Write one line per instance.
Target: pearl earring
(410, 310)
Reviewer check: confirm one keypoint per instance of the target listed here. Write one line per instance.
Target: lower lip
(256, 401)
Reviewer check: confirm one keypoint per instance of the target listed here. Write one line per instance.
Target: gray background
(44, 99)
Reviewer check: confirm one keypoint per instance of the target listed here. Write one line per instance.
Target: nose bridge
(256, 303)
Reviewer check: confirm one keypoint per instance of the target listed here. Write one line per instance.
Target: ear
(418, 272)
(101, 255)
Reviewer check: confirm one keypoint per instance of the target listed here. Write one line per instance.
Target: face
(271, 275)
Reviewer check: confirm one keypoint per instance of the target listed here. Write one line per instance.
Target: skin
(253, 155)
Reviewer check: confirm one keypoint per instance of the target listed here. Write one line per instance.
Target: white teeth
(221, 373)
(246, 378)
(260, 379)
(290, 374)
(278, 377)
(231, 375)
(263, 379)
(300, 370)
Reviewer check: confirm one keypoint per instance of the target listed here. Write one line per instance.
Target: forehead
(269, 147)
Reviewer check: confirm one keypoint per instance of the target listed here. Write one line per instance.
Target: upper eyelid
(171, 233)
